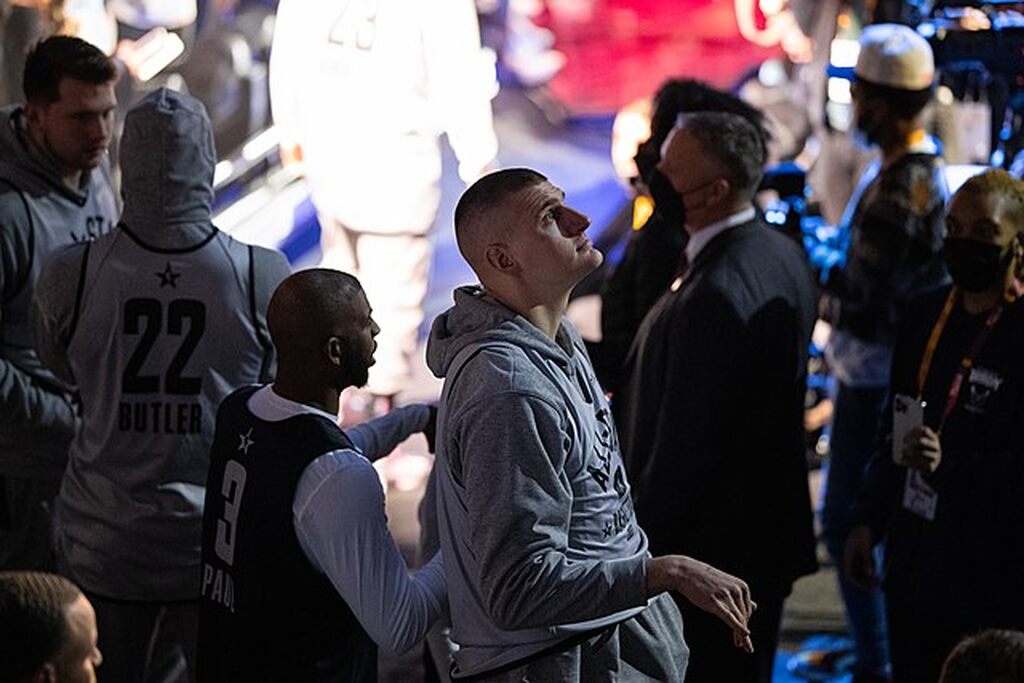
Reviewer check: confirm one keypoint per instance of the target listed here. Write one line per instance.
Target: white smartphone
(907, 414)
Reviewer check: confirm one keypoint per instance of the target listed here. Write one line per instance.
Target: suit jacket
(713, 417)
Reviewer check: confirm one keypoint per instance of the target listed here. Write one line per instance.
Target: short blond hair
(997, 182)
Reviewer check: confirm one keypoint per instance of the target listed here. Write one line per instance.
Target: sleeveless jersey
(160, 336)
(266, 613)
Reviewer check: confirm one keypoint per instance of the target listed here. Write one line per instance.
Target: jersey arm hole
(261, 334)
(79, 292)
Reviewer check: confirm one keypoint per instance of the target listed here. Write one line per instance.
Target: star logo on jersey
(244, 441)
(168, 276)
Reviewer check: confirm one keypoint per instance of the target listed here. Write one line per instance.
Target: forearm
(380, 436)
(550, 589)
(24, 401)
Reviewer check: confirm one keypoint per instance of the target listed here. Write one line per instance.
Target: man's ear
(34, 113)
(719, 191)
(500, 259)
(335, 353)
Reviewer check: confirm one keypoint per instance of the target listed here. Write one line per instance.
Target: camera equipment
(979, 49)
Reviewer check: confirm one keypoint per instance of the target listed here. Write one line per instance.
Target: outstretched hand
(723, 595)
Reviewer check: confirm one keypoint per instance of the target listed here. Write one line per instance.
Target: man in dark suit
(713, 428)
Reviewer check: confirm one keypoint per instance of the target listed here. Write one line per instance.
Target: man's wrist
(663, 574)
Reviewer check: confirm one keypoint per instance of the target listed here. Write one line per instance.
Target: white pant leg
(394, 270)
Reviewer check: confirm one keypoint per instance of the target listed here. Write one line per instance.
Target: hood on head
(478, 320)
(167, 161)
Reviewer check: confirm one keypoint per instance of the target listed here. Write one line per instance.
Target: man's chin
(91, 161)
(594, 260)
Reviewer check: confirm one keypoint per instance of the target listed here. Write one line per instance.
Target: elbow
(509, 611)
(400, 641)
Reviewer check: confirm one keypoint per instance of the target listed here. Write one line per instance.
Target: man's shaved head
(311, 305)
(475, 224)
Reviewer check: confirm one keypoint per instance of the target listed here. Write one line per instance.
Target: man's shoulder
(500, 370)
(756, 245)
(13, 203)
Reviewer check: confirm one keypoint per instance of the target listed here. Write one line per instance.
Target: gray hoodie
(38, 215)
(535, 515)
(155, 323)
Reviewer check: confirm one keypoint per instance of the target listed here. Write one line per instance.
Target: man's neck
(307, 392)
(547, 318)
(901, 143)
(718, 216)
(980, 302)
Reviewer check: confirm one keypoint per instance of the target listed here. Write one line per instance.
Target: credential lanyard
(972, 351)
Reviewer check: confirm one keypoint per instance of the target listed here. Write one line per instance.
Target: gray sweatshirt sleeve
(519, 501)
(378, 437)
(24, 399)
(53, 309)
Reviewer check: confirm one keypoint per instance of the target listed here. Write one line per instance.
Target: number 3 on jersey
(227, 525)
(145, 317)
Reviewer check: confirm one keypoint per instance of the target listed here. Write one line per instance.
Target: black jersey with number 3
(266, 613)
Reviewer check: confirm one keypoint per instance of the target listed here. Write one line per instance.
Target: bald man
(47, 630)
(548, 572)
(301, 577)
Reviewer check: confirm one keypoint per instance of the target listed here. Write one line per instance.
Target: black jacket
(968, 563)
(713, 428)
(644, 273)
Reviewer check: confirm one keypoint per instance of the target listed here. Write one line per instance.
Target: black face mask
(667, 202)
(976, 266)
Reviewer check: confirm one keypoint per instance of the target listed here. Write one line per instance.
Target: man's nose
(572, 222)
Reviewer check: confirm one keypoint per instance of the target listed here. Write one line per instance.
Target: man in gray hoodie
(549, 576)
(155, 322)
(55, 190)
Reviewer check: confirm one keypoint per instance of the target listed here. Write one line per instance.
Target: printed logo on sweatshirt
(607, 471)
(94, 227)
(982, 383)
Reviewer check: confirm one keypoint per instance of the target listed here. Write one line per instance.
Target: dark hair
(987, 657)
(680, 96)
(683, 95)
(33, 620)
(60, 57)
(734, 142)
(310, 305)
(490, 191)
(904, 104)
